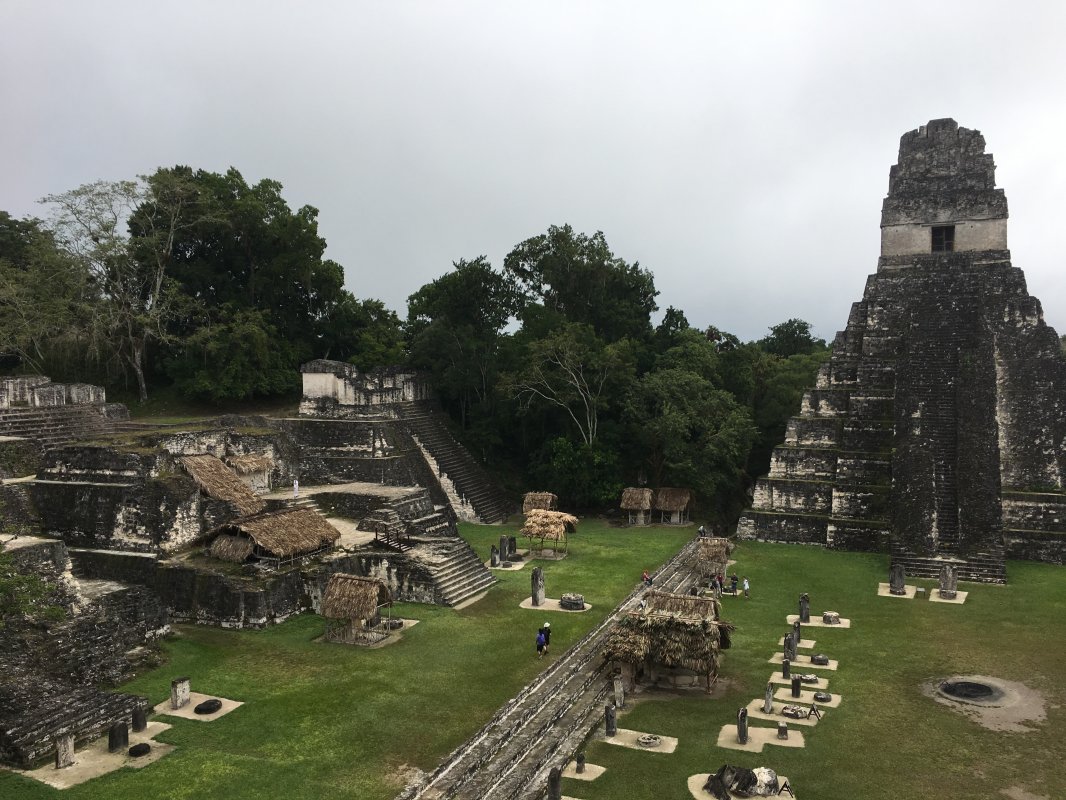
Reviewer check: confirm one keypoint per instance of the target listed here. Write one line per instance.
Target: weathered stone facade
(938, 425)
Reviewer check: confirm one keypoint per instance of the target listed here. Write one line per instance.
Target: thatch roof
(672, 641)
(684, 606)
(254, 462)
(353, 597)
(539, 500)
(284, 533)
(636, 499)
(672, 499)
(217, 480)
(541, 524)
(232, 548)
(715, 549)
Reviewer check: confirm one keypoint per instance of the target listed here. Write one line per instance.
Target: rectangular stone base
(195, 698)
(755, 712)
(803, 662)
(758, 738)
(806, 698)
(93, 760)
(822, 685)
(958, 599)
(816, 622)
(883, 591)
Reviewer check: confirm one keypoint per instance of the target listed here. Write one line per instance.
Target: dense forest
(200, 284)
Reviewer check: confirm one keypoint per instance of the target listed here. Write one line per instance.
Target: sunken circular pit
(969, 690)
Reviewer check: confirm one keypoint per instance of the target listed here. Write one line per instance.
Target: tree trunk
(136, 362)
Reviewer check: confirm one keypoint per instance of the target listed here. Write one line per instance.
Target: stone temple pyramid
(936, 430)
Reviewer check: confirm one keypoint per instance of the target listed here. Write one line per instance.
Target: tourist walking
(547, 631)
(747, 588)
(540, 643)
(295, 489)
(733, 580)
(646, 578)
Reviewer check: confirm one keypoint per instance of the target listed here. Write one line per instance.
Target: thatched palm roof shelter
(277, 535)
(636, 499)
(217, 480)
(675, 632)
(673, 504)
(351, 603)
(551, 526)
(637, 502)
(545, 501)
(712, 557)
(353, 597)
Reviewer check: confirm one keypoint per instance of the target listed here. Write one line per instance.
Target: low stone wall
(1046, 546)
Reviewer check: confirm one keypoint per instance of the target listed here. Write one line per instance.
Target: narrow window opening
(943, 238)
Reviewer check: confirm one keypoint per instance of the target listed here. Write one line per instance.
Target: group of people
(718, 584)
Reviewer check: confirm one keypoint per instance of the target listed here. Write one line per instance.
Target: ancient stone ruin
(936, 429)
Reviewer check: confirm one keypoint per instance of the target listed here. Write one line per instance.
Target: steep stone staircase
(545, 724)
(457, 572)
(57, 425)
(428, 425)
(984, 567)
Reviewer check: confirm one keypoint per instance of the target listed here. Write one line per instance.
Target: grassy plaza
(334, 721)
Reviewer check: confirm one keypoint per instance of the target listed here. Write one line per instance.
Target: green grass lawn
(331, 721)
(886, 740)
(325, 720)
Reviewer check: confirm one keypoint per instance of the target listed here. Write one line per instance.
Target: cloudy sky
(740, 151)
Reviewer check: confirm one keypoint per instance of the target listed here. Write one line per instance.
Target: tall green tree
(44, 295)
(790, 338)
(454, 327)
(574, 372)
(136, 297)
(578, 277)
(248, 251)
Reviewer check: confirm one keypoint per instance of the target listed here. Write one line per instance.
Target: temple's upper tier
(942, 194)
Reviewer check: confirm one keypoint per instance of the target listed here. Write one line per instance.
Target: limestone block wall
(97, 497)
(39, 392)
(336, 389)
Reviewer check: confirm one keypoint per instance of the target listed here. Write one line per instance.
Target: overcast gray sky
(740, 151)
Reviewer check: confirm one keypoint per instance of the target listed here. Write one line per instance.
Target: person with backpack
(547, 631)
(540, 643)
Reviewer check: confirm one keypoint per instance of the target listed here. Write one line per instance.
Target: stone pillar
(790, 646)
(610, 719)
(118, 737)
(579, 764)
(512, 546)
(949, 584)
(782, 730)
(768, 700)
(537, 586)
(494, 557)
(140, 719)
(555, 784)
(619, 692)
(797, 633)
(805, 608)
(503, 549)
(65, 751)
(897, 579)
(742, 726)
(786, 668)
(179, 693)
(796, 686)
